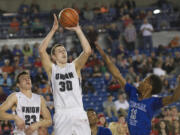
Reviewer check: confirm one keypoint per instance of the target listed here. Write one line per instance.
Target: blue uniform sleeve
(130, 90)
(107, 131)
(156, 103)
(104, 131)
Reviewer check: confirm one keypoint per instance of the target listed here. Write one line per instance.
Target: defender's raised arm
(112, 68)
(175, 97)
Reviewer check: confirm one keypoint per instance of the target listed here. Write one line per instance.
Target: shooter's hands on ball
(73, 28)
(56, 23)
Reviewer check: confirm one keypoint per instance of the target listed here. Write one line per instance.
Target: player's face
(162, 125)
(92, 117)
(60, 55)
(102, 120)
(145, 86)
(121, 120)
(25, 82)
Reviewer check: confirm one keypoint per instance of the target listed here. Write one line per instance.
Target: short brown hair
(20, 74)
(54, 47)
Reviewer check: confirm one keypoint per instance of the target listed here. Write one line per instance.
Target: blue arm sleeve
(104, 131)
(108, 131)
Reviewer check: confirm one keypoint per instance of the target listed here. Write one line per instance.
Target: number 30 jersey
(66, 87)
(28, 109)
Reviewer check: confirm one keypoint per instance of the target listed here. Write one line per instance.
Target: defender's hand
(98, 47)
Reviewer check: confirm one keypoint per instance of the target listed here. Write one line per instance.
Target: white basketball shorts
(71, 122)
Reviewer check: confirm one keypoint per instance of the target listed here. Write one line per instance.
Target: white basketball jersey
(28, 109)
(66, 87)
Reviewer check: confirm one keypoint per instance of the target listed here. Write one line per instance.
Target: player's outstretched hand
(20, 123)
(98, 47)
(31, 129)
(56, 24)
(100, 50)
(73, 28)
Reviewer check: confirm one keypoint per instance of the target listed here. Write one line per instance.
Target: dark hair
(54, 47)
(166, 128)
(120, 115)
(20, 74)
(90, 110)
(26, 49)
(109, 95)
(156, 84)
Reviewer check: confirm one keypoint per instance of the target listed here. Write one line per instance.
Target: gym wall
(12, 5)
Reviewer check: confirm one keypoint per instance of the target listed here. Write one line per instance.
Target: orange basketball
(68, 17)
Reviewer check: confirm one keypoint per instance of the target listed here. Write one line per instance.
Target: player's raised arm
(81, 60)
(173, 98)
(112, 68)
(47, 64)
(45, 122)
(8, 104)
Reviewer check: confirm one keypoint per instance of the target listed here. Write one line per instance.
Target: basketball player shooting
(142, 104)
(28, 108)
(70, 117)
